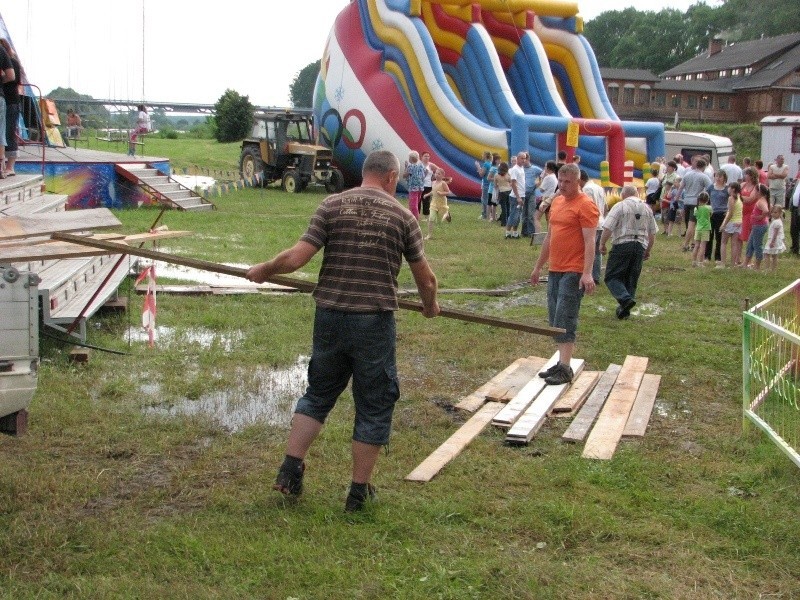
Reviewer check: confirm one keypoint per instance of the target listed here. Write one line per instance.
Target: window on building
(748, 70)
(676, 101)
(689, 76)
(643, 97)
(724, 103)
(699, 76)
(661, 99)
(627, 94)
(723, 73)
(679, 78)
(795, 140)
(613, 93)
(691, 101)
(708, 102)
(791, 102)
(736, 72)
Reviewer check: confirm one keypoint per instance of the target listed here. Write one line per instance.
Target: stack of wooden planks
(606, 406)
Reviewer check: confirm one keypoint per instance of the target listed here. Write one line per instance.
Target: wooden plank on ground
(476, 399)
(531, 420)
(576, 395)
(451, 448)
(510, 387)
(519, 404)
(581, 424)
(71, 220)
(607, 432)
(643, 406)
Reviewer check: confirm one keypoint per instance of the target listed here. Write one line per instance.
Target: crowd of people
(723, 213)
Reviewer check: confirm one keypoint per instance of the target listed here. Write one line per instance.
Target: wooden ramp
(607, 432)
(428, 469)
(22, 226)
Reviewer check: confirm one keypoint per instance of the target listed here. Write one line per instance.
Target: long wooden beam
(298, 284)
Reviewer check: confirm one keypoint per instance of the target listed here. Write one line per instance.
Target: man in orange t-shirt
(569, 248)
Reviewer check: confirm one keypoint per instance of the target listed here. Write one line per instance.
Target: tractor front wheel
(336, 183)
(291, 182)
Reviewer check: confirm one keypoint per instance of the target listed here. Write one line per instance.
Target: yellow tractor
(281, 147)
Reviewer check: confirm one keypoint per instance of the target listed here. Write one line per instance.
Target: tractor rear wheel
(291, 182)
(336, 183)
(250, 165)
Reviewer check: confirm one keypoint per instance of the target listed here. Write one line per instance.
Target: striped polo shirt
(365, 234)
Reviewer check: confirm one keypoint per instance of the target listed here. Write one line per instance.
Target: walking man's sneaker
(289, 482)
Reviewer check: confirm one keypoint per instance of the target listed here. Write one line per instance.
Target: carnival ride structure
(460, 77)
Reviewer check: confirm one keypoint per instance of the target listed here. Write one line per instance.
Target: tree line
(659, 41)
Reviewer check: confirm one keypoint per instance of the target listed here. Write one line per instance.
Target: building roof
(628, 74)
(774, 72)
(737, 55)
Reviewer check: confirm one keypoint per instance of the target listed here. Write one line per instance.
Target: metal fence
(771, 368)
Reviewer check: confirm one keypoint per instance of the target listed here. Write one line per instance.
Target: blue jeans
(528, 209)
(514, 210)
(484, 199)
(623, 269)
(361, 346)
(564, 297)
(755, 243)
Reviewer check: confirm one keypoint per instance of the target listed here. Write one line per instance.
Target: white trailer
(781, 135)
(691, 143)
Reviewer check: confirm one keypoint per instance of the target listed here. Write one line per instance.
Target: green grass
(101, 500)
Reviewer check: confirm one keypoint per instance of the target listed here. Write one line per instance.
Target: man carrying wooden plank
(569, 248)
(366, 233)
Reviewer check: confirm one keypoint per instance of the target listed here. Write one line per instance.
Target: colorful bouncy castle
(457, 78)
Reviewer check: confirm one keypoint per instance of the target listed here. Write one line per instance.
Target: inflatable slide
(457, 78)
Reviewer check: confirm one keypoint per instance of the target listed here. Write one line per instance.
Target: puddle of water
(167, 336)
(664, 411)
(266, 396)
(189, 274)
(194, 182)
(648, 309)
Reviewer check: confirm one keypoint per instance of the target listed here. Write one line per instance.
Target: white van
(689, 144)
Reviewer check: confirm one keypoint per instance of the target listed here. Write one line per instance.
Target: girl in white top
(774, 244)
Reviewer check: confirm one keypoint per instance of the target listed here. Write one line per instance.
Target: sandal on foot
(289, 482)
(357, 499)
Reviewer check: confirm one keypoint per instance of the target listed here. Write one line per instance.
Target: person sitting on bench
(74, 126)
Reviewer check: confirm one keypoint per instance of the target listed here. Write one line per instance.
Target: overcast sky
(182, 51)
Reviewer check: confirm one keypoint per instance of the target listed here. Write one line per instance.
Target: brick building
(729, 83)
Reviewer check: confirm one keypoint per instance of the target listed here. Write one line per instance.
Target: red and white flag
(149, 306)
